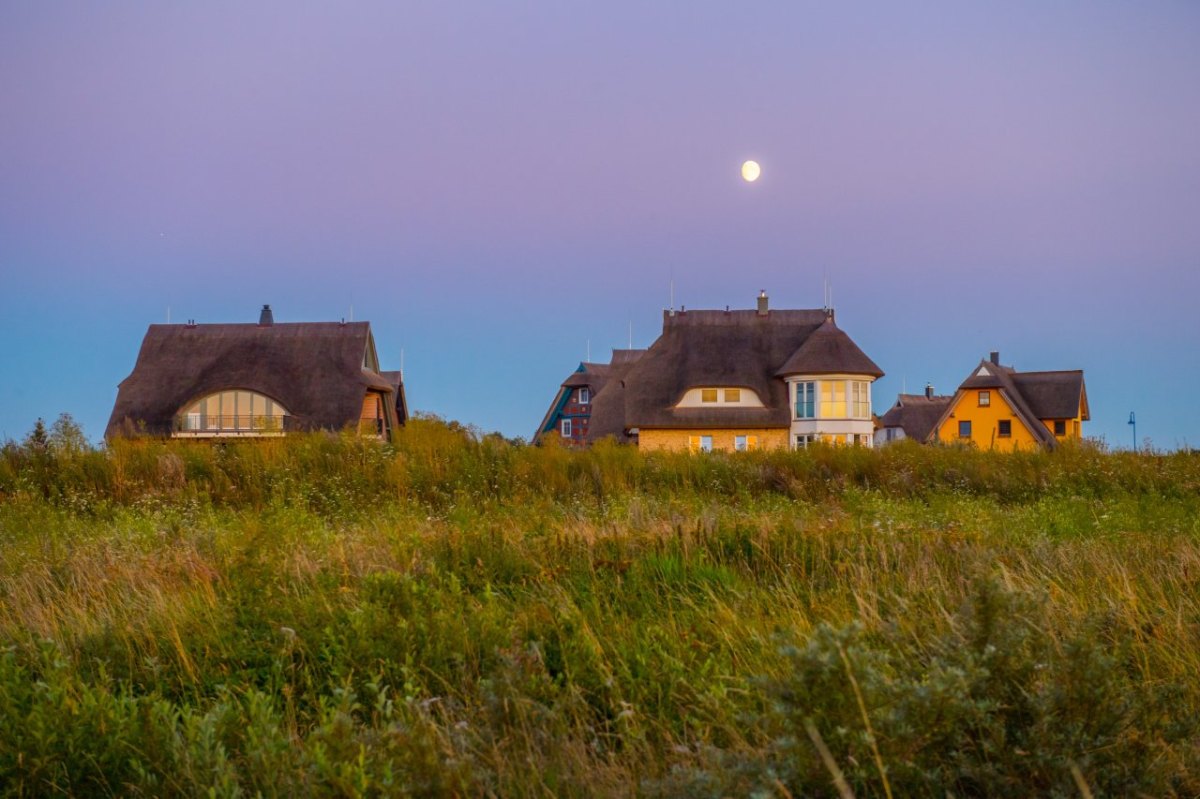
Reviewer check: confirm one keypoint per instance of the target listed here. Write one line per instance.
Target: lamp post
(1133, 424)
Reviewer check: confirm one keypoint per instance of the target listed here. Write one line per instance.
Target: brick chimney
(266, 318)
(929, 391)
(996, 357)
(762, 303)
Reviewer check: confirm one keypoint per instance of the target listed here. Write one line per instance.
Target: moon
(750, 171)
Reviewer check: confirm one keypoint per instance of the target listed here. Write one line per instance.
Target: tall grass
(456, 614)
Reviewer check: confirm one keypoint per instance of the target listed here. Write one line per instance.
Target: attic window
(733, 395)
(985, 399)
(708, 395)
(585, 396)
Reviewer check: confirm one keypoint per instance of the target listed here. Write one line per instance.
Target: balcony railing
(201, 425)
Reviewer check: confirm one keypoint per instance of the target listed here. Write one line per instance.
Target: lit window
(985, 399)
(566, 428)
(1060, 427)
(1004, 428)
(708, 395)
(230, 412)
(585, 396)
(964, 429)
(806, 400)
(733, 395)
(833, 399)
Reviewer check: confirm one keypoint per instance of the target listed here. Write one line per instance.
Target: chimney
(762, 303)
(929, 391)
(266, 318)
(996, 357)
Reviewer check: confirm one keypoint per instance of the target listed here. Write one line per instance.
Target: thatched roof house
(217, 380)
(740, 380)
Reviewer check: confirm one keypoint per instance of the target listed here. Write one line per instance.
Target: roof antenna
(672, 288)
(589, 350)
(352, 313)
(401, 364)
(168, 314)
(630, 334)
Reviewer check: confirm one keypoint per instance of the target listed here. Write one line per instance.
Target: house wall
(984, 423)
(677, 440)
(1074, 427)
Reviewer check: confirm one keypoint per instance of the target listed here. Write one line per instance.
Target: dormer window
(733, 395)
(708, 395)
(585, 396)
(231, 412)
(713, 397)
(985, 399)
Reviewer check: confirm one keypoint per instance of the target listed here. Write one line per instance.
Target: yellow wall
(1074, 427)
(677, 440)
(985, 432)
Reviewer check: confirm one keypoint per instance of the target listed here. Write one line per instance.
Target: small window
(708, 395)
(1060, 427)
(803, 442)
(740, 443)
(733, 395)
(964, 429)
(706, 443)
(806, 400)
(985, 399)
(566, 428)
(1004, 428)
(585, 396)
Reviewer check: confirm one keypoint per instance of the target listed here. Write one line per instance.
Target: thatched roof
(829, 351)
(744, 349)
(314, 369)
(916, 414)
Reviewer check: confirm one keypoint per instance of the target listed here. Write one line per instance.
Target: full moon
(751, 171)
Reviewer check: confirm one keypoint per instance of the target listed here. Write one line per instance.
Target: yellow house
(741, 380)
(999, 408)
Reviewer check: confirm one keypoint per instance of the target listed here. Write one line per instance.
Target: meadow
(455, 614)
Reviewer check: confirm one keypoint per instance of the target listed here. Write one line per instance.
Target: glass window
(733, 395)
(964, 429)
(985, 399)
(232, 410)
(1060, 427)
(802, 442)
(833, 399)
(806, 400)
(566, 428)
(706, 443)
(1004, 428)
(740, 443)
(708, 395)
(585, 396)
(860, 399)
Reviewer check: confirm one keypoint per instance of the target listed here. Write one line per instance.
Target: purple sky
(492, 186)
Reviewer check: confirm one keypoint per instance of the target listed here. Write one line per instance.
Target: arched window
(232, 412)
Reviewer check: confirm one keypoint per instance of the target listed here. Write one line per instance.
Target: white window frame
(565, 428)
(585, 395)
(811, 390)
(741, 443)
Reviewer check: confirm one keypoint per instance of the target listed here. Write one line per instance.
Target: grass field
(457, 615)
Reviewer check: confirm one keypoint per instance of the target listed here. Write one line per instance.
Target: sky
(498, 187)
